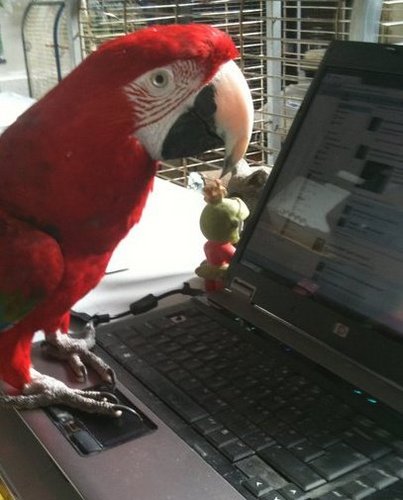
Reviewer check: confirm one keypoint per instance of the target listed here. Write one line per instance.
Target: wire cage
(49, 53)
(101, 20)
(281, 43)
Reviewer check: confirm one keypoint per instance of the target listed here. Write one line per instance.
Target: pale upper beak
(234, 115)
(222, 114)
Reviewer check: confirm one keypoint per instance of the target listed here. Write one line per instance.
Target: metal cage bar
(47, 37)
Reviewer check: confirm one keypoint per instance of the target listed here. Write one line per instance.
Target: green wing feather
(31, 267)
(13, 307)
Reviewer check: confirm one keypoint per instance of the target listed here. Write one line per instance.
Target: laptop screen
(324, 250)
(332, 227)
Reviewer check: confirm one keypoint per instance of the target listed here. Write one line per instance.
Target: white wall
(12, 74)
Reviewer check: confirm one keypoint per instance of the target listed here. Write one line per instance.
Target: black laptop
(288, 384)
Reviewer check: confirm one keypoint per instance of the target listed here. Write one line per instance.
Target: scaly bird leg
(44, 391)
(76, 349)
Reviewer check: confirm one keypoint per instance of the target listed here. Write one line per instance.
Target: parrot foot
(76, 349)
(45, 391)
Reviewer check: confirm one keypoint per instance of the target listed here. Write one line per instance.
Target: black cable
(139, 306)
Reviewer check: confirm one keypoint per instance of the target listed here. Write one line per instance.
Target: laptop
(287, 384)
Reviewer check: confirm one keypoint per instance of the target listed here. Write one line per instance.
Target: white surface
(11, 106)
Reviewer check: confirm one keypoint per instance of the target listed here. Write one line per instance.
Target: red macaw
(75, 171)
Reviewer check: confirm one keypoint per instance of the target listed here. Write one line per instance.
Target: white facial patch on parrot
(159, 97)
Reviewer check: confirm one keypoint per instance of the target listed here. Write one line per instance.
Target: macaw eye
(161, 78)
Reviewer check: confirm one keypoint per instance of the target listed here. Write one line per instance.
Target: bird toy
(221, 223)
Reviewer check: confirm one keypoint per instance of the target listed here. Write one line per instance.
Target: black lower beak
(194, 132)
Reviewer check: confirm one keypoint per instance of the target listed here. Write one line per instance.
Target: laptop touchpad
(91, 433)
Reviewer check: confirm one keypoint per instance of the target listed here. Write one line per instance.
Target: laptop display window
(333, 225)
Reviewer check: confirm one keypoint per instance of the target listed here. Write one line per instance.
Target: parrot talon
(108, 397)
(46, 391)
(76, 350)
(123, 408)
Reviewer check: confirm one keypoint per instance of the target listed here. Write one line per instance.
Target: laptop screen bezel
(366, 345)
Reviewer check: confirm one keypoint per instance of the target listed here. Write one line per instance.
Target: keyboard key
(258, 487)
(176, 331)
(206, 450)
(154, 357)
(259, 414)
(393, 492)
(121, 352)
(160, 339)
(167, 366)
(290, 414)
(204, 372)
(236, 450)
(274, 495)
(333, 495)
(258, 440)
(241, 427)
(178, 375)
(208, 356)
(185, 340)
(221, 437)
(214, 404)
(292, 492)
(255, 467)
(189, 385)
(287, 436)
(146, 330)
(323, 438)
(135, 342)
(338, 460)
(365, 443)
(216, 382)
(306, 451)
(126, 334)
(191, 364)
(378, 478)
(290, 466)
(382, 434)
(199, 393)
(357, 489)
(207, 425)
(180, 356)
(197, 347)
(394, 464)
(169, 347)
(106, 339)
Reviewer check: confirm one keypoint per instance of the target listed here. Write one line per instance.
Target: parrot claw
(45, 391)
(76, 349)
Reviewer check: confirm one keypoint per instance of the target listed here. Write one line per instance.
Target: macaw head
(183, 91)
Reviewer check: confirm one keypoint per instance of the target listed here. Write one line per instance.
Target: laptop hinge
(243, 288)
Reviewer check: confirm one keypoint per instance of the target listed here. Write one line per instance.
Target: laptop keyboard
(273, 428)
